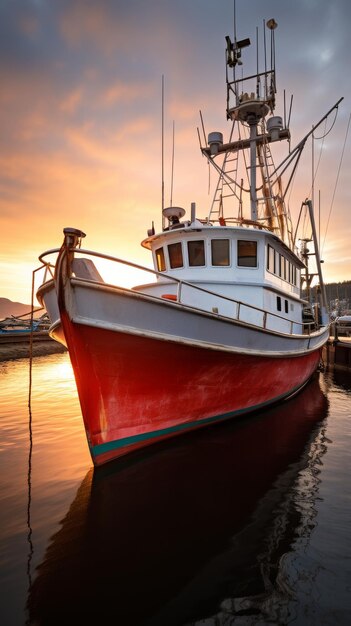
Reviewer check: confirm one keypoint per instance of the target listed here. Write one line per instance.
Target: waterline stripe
(102, 448)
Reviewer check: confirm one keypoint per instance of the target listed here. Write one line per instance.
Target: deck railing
(181, 284)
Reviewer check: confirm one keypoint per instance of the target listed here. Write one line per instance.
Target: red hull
(135, 391)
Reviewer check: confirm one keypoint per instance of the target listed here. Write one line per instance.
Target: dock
(337, 352)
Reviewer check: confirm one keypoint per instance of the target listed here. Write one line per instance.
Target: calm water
(242, 523)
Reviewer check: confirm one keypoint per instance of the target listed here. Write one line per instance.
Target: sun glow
(122, 274)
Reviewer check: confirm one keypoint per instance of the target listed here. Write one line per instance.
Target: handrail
(180, 283)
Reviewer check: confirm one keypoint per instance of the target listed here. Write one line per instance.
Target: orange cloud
(124, 93)
(72, 100)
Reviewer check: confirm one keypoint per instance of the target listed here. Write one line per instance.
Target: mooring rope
(30, 451)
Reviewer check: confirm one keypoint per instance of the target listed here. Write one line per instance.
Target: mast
(308, 203)
(249, 100)
(251, 109)
(253, 122)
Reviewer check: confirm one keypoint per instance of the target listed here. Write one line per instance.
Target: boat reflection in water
(169, 536)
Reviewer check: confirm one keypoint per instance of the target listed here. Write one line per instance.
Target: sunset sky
(80, 117)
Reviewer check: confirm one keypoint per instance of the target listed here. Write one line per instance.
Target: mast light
(272, 24)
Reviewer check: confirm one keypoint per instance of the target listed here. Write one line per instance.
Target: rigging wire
(331, 128)
(315, 170)
(337, 180)
(314, 138)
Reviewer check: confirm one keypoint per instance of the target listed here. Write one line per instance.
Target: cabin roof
(185, 231)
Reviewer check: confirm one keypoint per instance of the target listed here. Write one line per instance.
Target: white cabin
(250, 266)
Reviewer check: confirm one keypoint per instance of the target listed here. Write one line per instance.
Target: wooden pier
(337, 352)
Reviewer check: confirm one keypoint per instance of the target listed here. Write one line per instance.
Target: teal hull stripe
(102, 448)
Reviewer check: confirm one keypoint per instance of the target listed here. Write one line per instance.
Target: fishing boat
(24, 324)
(226, 325)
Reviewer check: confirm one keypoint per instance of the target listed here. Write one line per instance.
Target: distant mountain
(8, 308)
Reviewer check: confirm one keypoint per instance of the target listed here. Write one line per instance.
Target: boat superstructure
(223, 326)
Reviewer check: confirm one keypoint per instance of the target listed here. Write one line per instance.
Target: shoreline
(12, 348)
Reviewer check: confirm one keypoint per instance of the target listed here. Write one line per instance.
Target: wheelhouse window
(284, 261)
(175, 255)
(160, 260)
(298, 277)
(220, 252)
(247, 253)
(278, 268)
(271, 259)
(196, 253)
(279, 265)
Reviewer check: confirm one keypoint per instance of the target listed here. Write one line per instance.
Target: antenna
(171, 202)
(319, 219)
(257, 62)
(265, 60)
(162, 156)
(203, 128)
(272, 25)
(291, 102)
(312, 166)
(284, 100)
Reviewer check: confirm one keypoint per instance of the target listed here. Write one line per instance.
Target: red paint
(169, 296)
(129, 385)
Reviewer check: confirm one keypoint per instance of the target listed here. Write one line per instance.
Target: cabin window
(220, 252)
(160, 260)
(284, 267)
(175, 255)
(196, 253)
(286, 306)
(298, 277)
(277, 270)
(247, 253)
(271, 259)
(280, 266)
(279, 303)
